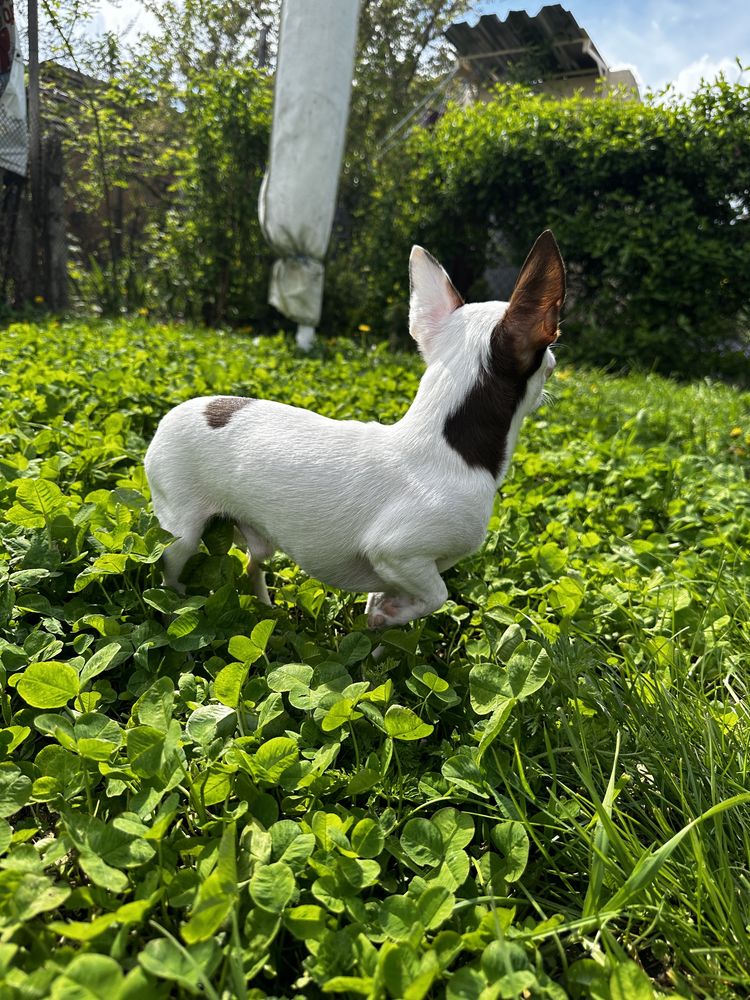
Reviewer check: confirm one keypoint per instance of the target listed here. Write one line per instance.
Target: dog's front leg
(414, 589)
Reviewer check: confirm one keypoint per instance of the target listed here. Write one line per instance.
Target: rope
(443, 85)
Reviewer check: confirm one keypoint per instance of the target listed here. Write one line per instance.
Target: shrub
(209, 259)
(650, 204)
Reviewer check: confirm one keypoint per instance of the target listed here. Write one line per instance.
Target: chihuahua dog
(368, 506)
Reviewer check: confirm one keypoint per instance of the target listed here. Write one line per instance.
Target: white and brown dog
(368, 506)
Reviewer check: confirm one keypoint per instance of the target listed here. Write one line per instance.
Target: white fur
(360, 506)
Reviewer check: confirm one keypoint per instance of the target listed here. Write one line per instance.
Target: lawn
(539, 791)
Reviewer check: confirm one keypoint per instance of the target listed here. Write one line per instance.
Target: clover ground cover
(540, 791)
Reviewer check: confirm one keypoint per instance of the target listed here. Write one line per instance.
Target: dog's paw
(383, 611)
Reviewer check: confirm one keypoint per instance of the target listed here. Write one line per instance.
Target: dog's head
(497, 354)
(524, 327)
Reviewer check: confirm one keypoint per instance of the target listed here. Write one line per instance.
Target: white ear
(433, 298)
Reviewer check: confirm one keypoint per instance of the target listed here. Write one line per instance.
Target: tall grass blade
(600, 846)
(650, 863)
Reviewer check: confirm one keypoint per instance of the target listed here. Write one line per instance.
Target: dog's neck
(453, 409)
(455, 361)
(441, 392)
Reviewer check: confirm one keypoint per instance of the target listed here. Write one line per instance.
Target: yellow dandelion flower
(363, 328)
(38, 299)
(735, 432)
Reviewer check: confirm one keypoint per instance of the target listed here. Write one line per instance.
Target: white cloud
(671, 41)
(688, 79)
(127, 21)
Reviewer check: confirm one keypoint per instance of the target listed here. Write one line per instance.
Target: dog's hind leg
(187, 532)
(258, 549)
(178, 513)
(414, 589)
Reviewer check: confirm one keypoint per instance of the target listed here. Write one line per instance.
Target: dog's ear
(432, 298)
(531, 321)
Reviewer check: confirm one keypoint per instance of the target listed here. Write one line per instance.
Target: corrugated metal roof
(552, 42)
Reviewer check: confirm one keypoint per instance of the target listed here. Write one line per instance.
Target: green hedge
(650, 204)
(209, 259)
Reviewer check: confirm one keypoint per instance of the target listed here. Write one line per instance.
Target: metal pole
(35, 137)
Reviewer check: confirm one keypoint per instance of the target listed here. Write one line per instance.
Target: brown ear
(534, 309)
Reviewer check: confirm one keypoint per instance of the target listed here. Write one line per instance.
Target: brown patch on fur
(219, 411)
(478, 429)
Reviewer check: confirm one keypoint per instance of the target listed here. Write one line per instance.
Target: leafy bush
(650, 204)
(115, 133)
(540, 789)
(209, 259)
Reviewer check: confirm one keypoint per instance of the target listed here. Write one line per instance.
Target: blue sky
(662, 41)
